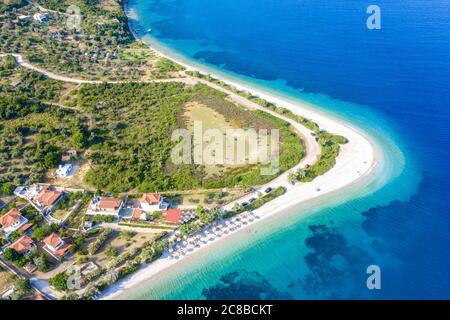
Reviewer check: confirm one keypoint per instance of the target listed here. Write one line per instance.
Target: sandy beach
(355, 162)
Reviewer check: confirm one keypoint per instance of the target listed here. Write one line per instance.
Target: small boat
(149, 30)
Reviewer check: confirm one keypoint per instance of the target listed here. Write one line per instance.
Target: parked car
(268, 189)
(244, 204)
(252, 200)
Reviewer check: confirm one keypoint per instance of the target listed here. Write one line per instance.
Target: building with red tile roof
(23, 245)
(11, 218)
(47, 197)
(150, 198)
(12, 221)
(107, 203)
(55, 246)
(138, 214)
(152, 202)
(105, 206)
(173, 215)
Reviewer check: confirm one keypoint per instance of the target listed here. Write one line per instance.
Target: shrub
(98, 242)
(59, 281)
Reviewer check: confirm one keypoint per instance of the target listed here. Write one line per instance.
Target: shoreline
(355, 164)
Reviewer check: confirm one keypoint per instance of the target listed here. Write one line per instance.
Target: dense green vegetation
(291, 148)
(59, 281)
(34, 134)
(8, 5)
(103, 48)
(131, 139)
(125, 127)
(207, 216)
(330, 143)
(131, 145)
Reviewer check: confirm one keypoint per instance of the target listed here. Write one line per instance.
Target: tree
(111, 277)
(22, 286)
(111, 252)
(292, 177)
(41, 261)
(8, 188)
(205, 216)
(79, 139)
(42, 232)
(11, 255)
(301, 174)
(157, 215)
(59, 281)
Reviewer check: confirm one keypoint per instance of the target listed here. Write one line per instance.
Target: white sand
(356, 160)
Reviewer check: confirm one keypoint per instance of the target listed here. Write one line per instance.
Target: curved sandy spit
(356, 161)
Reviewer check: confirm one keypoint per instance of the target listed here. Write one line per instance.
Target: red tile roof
(150, 198)
(10, 218)
(173, 215)
(53, 240)
(39, 297)
(25, 227)
(109, 203)
(137, 213)
(23, 244)
(61, 252)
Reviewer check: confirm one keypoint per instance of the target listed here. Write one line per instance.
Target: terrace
(41, 196)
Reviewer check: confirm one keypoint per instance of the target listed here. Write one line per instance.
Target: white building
(64, 170)
(151, 202)
(40, 17)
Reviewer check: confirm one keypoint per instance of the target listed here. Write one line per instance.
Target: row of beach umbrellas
(182, 245)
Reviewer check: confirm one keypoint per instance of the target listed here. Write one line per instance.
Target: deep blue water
(394, 82)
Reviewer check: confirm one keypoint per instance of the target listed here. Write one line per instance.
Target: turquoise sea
(391, 83)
